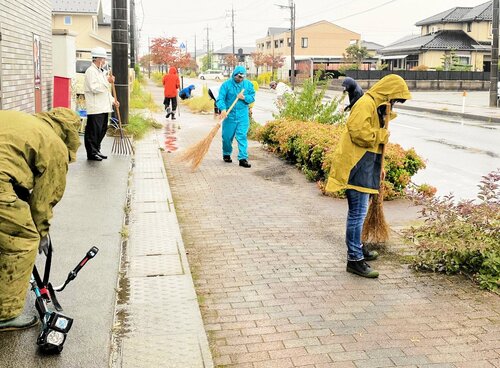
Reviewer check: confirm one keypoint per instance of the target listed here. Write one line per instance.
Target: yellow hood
(65, 123)
(389, 88)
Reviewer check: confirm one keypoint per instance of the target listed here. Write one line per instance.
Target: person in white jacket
(99, 102)
(281, 89)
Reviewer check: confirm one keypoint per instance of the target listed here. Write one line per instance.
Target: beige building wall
(323, 39)
(433, 59)
(481, 31)
(86, 29)
(19, 22)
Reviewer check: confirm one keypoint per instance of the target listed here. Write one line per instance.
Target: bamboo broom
(197, 152)
(375, 228)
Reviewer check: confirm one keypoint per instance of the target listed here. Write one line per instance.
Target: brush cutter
(55, 325)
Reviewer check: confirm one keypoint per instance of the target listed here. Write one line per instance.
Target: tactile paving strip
(150, 190)
(155, 265)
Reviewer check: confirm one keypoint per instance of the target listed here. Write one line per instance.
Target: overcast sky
(381, 21)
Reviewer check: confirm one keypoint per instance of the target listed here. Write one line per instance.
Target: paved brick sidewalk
(268, 261)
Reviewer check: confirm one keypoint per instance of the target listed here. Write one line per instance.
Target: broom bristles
(197, 152)
(375, 228)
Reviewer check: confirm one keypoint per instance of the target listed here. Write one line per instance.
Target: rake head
(121, 144)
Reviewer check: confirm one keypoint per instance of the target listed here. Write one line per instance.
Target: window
(268, 44)
(469, 26)
(304, 42)
(289, 41)
(490, 30)
(282, 42)
(276, 44)
(463, 59)
(67, 20)
(353, 42)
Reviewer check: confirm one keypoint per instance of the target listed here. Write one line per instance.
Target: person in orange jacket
(171, 85)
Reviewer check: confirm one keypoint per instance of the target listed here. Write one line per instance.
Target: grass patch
(138, 125)
(141, 99)
(201, 103)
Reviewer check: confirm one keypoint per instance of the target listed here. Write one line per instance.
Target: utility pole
(291, 6)
(149, 58)
(132, 34)
(195, 47)
(494, 57)
(232, 25)
(209, 61)
(119, 50)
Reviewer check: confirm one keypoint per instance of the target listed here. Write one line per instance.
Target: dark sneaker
(227, 158)
(101, 155)
(370, 255)
(244, 163)
(19, 323)
(361, 268)
(173, 117)
(94, 157)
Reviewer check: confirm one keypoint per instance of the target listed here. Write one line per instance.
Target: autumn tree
(231, 60)
(258, 60)
(164, 51)
(274, 62)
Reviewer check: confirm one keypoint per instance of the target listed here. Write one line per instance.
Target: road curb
(488, 119)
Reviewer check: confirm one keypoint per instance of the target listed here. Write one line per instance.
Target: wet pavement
(89, 214)
(268, 257)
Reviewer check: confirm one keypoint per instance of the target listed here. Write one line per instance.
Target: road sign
(182, 45)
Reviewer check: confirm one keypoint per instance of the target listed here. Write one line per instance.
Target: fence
(419, 75)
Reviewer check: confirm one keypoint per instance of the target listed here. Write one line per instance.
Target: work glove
(44, 244)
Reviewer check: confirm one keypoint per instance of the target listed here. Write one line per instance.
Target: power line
(364, 11)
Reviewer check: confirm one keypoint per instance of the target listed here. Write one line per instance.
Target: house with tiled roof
(465, 32)
(86, 19)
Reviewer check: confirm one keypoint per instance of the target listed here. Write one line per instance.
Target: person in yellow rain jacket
(34, 156)
(357, 161)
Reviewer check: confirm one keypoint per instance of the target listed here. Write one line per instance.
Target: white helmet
(98, 52)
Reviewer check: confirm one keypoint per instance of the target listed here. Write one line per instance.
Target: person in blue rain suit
(237, 122)
(186, 92)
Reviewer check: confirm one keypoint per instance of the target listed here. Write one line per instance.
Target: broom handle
(117, 108)
(234, 102)
(386, 126)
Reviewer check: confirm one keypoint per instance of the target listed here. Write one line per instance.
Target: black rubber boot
(361, 268)
(370, 255)
(227, 158)
(19, 323)
(245, 163)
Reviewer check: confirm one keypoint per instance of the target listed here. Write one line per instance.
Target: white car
(211, 74)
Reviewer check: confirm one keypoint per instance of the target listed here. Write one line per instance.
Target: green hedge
(311, 145)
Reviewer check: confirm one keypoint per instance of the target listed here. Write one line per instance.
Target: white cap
(98, 52)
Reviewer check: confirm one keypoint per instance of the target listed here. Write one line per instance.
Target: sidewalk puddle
(170, 138)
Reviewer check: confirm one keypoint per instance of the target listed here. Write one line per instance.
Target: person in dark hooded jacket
(353, 90)
(34, 156)
(356, 165)
(171, 85)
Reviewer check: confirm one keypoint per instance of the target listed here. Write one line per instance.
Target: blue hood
(191, 87)
(239, 70)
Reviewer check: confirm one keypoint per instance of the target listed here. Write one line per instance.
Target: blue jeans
(358, 207)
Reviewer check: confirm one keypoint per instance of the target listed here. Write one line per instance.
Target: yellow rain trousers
(34, 156)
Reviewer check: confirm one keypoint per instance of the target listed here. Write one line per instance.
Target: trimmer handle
(72, 275)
